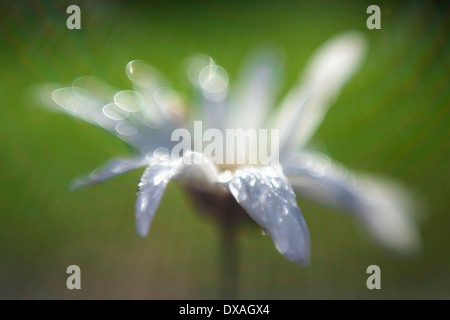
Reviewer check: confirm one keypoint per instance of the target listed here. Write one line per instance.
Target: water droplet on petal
(125, 128)
(194, 66)
(213, 79)
(143, 180)
(161, 153)
(276, 182)
(142, 74)
(129, 100)
(113, 112)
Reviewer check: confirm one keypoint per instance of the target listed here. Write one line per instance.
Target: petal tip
(142, 227)
(300, 254)
(77, 185)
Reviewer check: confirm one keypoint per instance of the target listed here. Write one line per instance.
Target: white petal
(90, 104)
(306, 105)
(192, 168)
(213, 86)
(384, 207)
(111, 169)
(171, 105)
(146, 80)
(267, 196)
(151, 188)
(129, 100)
(88, 109)
(163, 107)
(254, 92)
(90, 88)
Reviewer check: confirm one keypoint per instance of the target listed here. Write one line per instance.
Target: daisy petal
(213, 84)
(384, 207)
(267, 196)
(111, 169)
(151, 188)
(146, 80)
(193, 167)
(85, 105)
(255, 90)
(90, 103)
(306, 105)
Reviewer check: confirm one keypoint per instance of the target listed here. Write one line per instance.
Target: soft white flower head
(146, 116)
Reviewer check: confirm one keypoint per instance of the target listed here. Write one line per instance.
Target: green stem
(228, 261)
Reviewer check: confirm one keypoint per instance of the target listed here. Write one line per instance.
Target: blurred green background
(393, 117)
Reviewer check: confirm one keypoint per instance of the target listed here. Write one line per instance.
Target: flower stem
(228, 261)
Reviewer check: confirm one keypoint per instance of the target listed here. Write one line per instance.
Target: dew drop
(161, 153)
(143, 180)
(129, 100)
(125, 128)
(113, 112)
(276, 182)
(213, 79)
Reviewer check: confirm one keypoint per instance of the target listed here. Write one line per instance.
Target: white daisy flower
(146, 117)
